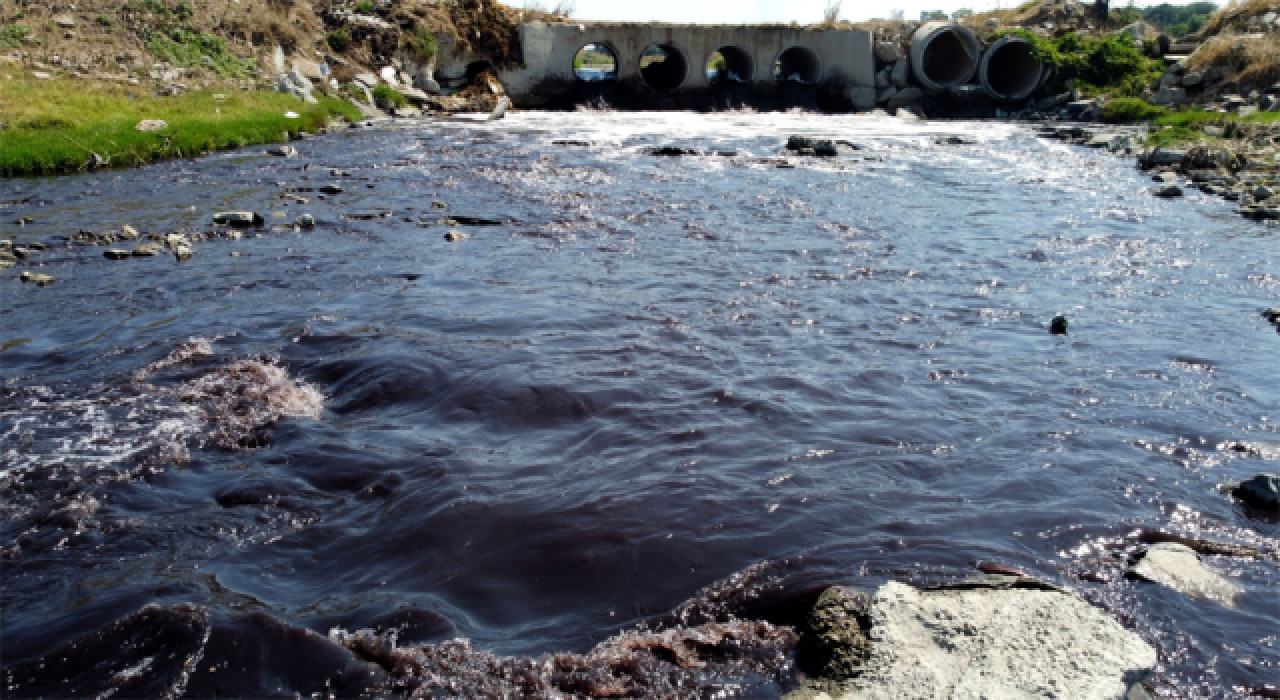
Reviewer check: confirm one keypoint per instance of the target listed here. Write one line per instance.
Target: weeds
(339, 39)
(12, 35)
(1110, 65)
(183, 48)
(422, 43)
(387, 98)
(364, 8)
(1131, 109)
(56, 125)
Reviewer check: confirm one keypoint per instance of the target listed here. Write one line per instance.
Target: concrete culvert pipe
(1010, 69)
(944, 55)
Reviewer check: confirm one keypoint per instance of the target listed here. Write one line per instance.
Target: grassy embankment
(55, 126)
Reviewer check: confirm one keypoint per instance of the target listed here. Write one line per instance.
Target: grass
(183, 48)
(1131, 109)
(385, 97)
(422, 43)
(55, 126)
(1182, 128)
(339, 39)
(11, 35)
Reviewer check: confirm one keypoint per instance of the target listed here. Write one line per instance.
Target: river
(656, 374)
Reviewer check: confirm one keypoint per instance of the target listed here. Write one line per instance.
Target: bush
(183, 48)
(386, 98)
(13, 34)
(422, 43)
(1096, 65)
(338, 39)
(1131, 109)
(364, 8)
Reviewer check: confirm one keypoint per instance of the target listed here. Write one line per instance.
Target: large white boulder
(999, 644)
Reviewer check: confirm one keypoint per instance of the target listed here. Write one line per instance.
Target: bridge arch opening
(595, 62)
(663, 67)
(798, 64)
(730, 64)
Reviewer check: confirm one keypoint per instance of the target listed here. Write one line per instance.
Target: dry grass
(1235, 13)
(1250, 61)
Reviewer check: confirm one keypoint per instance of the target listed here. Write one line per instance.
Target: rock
(406, 112)
(1169, 96)
(672, 151)
(1263, 490)
(906, 114)
(1167, 191)
(388, 74)
(128, 233)
(882, 78)
(456, 236)
(1141, 30)
(174, 241)
(339, 173)
(147, 250)
(183, 253)
(330, 189)
(987, 642)
(1166, 177)
(1058, 326)
(426, 84)
(1177, 566)
(36, 279)
(1215, 131)
(1246, 110)
(1262, 192)
(900, 73)
(474, 221)
(906, 97)
(239, 218)
(500, 110)
(884, 95)
(1104, 141)
(282, 151)
(1165, 156)
(116, 254)
(305, 221)
(1193, 78)
(41, 75)
(368, 80)
(1272, 314)
(887, 52)
(148, 125)
(414, 95)
(437, 204)
(65, 21)
(1054, 101)
(861, 97)
(833, 643)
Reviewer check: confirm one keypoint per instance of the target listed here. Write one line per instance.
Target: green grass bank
(56, 126)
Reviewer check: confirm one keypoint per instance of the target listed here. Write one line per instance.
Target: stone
(901, 72)
(1058, 325)
(1179, 567)
(437, 204)
(885, 94)
(861, 97)
(1167, 191)
(1165, 177)
(406, 112)
(426, 84)
(833, 643)
(41, 75)
(1193, 78)
(368, 80)
(882, 78)
(36, 279)
(456, 236)
(1165, 156)
(282, 151)
(415, 95)
(1263, 490)
(906, 97)
(116, 254)
(65, 21)
(331, 189)
(128, 233)
(500, 110)
(310, 70)
(1262, 192)
(305, 221)
(174, 241)
(1246, 110)
(906, 114)
(339, 173)
(1169, 96)
(388, 75)
(887, 51)
(147, 250)
(183, 253)
(238, 218)
(148, 125)
(1272, 314)
(1215, 131)
(1054, 101)
(995, 642)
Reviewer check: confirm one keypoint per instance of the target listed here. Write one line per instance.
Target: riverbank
(53, 126)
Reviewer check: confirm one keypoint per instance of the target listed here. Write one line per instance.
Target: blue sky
(752, 11)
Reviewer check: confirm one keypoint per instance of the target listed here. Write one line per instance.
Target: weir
(765, 62)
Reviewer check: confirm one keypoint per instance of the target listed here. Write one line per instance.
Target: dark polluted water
(667, 398)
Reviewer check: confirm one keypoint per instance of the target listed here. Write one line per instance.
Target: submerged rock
(282, 151)
(1167, 191)
(116, 254)
(305, 221)
(147, 250)
(456, 236)
(1261, 491)
(183, 253)
(995, 643)
(671, 151)
(331, 189)
(1177, 566)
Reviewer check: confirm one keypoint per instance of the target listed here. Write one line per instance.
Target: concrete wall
(844, 55)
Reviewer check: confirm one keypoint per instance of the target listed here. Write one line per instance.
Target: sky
(763, 11)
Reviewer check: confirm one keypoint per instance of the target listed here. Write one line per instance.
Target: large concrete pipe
(944, 55)
(1010, 69)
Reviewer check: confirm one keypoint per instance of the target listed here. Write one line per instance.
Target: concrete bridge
(761, 62)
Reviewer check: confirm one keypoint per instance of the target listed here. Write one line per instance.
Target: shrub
(422, 43)
(105, 20)
(364, 8)
(1096, 65)
(338, 39)
(386, 98)
(183, 48)
(1131, 109)
(13, 34)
